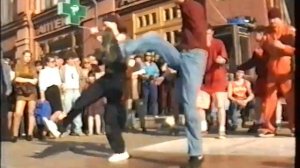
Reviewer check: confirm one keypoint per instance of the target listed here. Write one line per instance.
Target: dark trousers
(150, 98)
(115, 114)
(235, 112)
(4, 112)
(115, 121)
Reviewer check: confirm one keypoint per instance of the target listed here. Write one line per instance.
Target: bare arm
(230, 92)
(222, 57)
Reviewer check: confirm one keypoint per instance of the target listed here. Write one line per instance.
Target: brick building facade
(35, 25)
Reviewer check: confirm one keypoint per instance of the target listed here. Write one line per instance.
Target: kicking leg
(153, 42)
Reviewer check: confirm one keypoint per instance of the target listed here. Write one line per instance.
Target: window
(173, 37)
(177, 35)
(46, 4)
(146, 20)
(140, 22)
(154, 18)
(172, 13)
(176, 12)
(168, 36)
(167, 15)
(8, 11)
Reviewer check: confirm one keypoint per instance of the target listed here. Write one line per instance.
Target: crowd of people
(153, 83)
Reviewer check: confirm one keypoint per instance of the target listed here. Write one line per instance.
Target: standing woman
(26, 92)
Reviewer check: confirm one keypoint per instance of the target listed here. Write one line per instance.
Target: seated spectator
(240, 93)
(50, 84)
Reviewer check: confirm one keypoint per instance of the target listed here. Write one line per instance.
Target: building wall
(91, 45)
(168, 19)
(37, 24)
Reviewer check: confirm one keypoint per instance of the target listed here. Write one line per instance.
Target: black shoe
(42, 138)
(14, 139)
(195, 162)
(254, 128)
(62, 129)
(233, 128)
(144, 130)
(29, 138)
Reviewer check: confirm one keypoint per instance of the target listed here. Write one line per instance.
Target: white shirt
(71, 80)
(48, 77)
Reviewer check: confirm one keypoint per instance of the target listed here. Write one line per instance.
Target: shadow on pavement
(81, 148)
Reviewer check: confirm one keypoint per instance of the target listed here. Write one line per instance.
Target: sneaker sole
(116, 161)
(266, 135)
(52, 130)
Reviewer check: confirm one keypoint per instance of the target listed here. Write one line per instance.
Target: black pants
(115, 113)
(115, 121)
(4, 112)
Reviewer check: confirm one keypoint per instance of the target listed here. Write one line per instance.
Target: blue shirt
(151, 70)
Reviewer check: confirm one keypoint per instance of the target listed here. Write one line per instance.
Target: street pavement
(150, 151)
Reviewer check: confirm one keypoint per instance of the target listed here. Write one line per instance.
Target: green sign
(73, 11)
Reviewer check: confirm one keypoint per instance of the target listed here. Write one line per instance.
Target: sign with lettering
(50, 26)
(72, 10)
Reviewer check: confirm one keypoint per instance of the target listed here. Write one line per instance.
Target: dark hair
(38, 63)
(95, 68)
(138, 56)
(26, 51)
(91, 73)
(70, 54)
(47, 58)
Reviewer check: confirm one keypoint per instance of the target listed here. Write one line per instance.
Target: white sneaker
(204, 126)
(117, 157)
(52, 127)
(222, 135)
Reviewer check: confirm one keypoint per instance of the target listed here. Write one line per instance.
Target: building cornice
(137, 5)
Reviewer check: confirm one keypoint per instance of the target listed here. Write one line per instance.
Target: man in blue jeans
(190, 63)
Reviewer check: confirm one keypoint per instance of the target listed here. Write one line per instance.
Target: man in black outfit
(109, 86)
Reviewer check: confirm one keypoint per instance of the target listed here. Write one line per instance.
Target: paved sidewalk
(149, 151)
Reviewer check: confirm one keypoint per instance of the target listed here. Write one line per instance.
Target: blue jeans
(191, 66)
(70, 96)
(150, 98)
